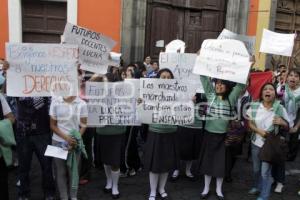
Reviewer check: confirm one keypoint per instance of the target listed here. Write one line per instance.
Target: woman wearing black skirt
(212, 156)
(160, 155)
(111, 144)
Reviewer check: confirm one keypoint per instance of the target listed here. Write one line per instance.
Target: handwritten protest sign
(249, 41)
(277, 43)
(166, 101)
(182, 64)
(94, 48)
(223, 59)
(41, 69)
(112, 103)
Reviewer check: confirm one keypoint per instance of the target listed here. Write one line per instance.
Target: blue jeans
(262, 174)
(26, 146)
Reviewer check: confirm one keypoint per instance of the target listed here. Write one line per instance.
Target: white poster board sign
(42, 69)
(166, 101)
(175, 46)
(182, 64)
(223, 59)
(112, 103)
(94, 48)
(249, 41)
(277, 43)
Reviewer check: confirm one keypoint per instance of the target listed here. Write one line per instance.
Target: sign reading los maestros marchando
(94, 48)
(112, 103)
(166, 101)
(41, 69)
(223, 59)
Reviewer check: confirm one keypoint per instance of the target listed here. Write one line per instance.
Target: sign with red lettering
(42, 70)
(94, 48)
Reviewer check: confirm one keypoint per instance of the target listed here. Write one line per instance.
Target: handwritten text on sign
(112, 103)
(166, 101)
(277, 43)
(182, 64)
(41, 69)
(94, 48)
(223, 59)
(249, 41)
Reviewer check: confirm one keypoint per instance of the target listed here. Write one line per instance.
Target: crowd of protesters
(229, 119)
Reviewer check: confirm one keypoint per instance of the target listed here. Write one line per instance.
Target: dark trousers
(293, 146)
(3, 180)
(26, 146)
(87, 163)
(132, 159)
(278, 172)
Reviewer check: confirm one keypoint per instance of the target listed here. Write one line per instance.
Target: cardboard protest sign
(249, 41)
(94, 48)
(175, 46)
(165, 101)
(223, 59)
(277, 43)
(182, 64)
(112, 103)
(42, 69)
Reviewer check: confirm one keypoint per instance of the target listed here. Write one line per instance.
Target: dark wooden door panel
(189, 20)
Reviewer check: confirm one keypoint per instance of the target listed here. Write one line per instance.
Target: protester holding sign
(111, 141)
(68, 118)
(161, 153)
(265, 118)
(221, 100)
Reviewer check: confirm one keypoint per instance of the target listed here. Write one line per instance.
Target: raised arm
(207, 85)
(235, 93)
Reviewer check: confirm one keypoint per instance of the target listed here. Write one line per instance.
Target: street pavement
(137, 187)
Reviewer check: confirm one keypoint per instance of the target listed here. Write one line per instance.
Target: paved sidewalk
(137, 188)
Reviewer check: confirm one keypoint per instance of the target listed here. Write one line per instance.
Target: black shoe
(163, 196)
(115, 196)
(220, 197)
(228, 180)
(204, 196)
(191, 178)
(106, 191)
(174, 178)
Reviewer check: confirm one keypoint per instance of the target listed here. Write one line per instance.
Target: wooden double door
(189, 20)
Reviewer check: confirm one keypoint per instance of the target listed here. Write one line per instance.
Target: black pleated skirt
(213, 155)
(161, 153)
(189, 143)
(112, 148)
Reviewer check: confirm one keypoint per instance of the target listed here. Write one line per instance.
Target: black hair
(131, 65)
(229, 86)
(294, 71)
(282, 66)
(262, 88)
(165, 70)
